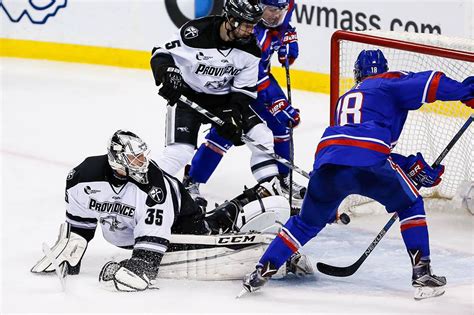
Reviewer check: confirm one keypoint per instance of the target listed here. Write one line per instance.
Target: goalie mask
(128, 155)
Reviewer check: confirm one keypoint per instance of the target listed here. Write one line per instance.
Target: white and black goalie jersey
(208, 64)
(132, 215)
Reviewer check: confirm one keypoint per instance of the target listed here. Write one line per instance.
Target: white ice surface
(54, 114)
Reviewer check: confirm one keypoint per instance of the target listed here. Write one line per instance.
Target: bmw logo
(201, 8)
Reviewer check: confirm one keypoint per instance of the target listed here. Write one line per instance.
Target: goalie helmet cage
(430, 128)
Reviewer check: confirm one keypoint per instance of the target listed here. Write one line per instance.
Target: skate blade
(422, 293)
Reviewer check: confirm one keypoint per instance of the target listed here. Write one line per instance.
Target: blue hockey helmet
(276, 3)
(368, 63)
(274, 12)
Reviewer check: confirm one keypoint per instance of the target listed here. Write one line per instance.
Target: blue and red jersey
(269, 40)
(369, 118)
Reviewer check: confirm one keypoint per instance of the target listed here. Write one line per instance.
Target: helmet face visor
(273, 16)
(138, 163)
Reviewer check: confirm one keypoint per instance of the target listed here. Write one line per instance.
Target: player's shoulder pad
(202, 32)
(92, 169)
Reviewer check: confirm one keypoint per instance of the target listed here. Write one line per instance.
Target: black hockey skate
(297, 193)
(193, 189)
(257, 279)
(426, 284)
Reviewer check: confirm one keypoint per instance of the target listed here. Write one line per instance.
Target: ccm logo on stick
(236, 239)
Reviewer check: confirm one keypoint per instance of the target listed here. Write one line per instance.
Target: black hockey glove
(232, 128)
(172, 84)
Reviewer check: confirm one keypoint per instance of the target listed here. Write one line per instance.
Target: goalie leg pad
(226, 256)
(265, 215)
(210, 263)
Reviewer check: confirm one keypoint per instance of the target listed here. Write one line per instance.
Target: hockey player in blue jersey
(354, 157)
(274, 34)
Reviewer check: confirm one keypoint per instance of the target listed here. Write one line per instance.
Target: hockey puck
(344, 218)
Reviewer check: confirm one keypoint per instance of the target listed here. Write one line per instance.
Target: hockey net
(429, 129)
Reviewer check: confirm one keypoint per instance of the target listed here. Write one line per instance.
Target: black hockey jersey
(208, 64)
(132, 215)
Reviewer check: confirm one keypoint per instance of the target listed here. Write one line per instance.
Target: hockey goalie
(141, 208)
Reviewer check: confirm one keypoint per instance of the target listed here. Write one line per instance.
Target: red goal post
(430, 128)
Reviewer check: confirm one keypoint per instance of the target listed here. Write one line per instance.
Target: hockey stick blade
(338, 271)
(61, 272)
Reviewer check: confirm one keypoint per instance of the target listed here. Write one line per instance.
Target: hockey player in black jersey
(140, 207)
(213, 61)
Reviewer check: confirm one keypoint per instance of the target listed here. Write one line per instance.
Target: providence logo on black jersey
(201, 8)
(112, 207)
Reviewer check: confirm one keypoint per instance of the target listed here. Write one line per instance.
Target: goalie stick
(246, 139)
(350, 270)
(61, 270)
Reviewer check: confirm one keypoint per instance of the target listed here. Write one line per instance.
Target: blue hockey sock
(293, 235)
(414, 229)
(204, 163)
(282, 148)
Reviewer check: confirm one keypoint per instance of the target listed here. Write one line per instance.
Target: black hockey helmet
(128, 154)
(243, 10)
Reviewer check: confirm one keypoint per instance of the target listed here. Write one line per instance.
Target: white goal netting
(429, 129)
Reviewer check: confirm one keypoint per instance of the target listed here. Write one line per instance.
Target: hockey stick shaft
(350, 270)
(246, 139)
(292, 145)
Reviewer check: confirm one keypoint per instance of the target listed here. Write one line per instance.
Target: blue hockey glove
(469, 81)
(285, 113)
(421, 173)
(289, 47)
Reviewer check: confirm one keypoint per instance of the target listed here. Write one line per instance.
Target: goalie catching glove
(129, 275)
(69, 249)
(421, 173)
